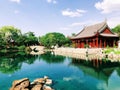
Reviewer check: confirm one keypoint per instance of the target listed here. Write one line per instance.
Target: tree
(73, 34)
(30, 39)
(9, 34)
(2, 42)
(68, 42)
(52, 39)
(117, 30)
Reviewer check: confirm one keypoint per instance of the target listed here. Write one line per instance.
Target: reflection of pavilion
(102, 71)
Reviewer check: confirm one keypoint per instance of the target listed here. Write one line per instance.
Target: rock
(48, 81)
(38, 84)
(47, 88)
(39, 81)
(20, 84)
(37, 87)
(22, 81)
(46, 77)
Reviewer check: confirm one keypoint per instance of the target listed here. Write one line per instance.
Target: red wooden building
(95, 36)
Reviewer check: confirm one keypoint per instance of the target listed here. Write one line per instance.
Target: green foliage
(117, 52)
(109, 50)
(52, 39)
(86, 46)
(12, 62)
(11, 38)
(73, 34)
(51, 58)
(9, 33)
(28, 49)
(21, 48)
(27, 39)
(30, 39)
(117, 30)
(68, 42)
(107, 47)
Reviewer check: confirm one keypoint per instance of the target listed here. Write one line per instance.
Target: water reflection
(99, 69)
(68, 73)
(11, 62)
(50, 57)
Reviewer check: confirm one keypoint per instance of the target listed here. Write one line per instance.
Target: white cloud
(52, 1)
(72, 26)
(76, 27)
(17, 1)
(76, 13)
(77, 24)
(113, 21)
(16, 11)
(108, 6)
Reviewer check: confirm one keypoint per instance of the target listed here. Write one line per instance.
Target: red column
(104, 43)
(93, 44)
(100, 43)
(97, 42)
(79, 43)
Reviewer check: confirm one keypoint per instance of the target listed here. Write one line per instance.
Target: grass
(112, 50)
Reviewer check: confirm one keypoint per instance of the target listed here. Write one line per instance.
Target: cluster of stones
(37, 84)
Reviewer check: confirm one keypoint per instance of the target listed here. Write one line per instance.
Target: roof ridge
(80, 31)
(105, 24)
(91, 30)
(90, 26)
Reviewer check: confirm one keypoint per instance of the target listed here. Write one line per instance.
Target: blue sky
(64, 16)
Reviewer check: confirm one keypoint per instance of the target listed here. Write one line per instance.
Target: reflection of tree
(8, 66)
(11, 62)
(118, 71)
(99, 69)
(51, 58)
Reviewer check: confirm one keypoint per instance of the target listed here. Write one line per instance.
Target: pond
(66, 73)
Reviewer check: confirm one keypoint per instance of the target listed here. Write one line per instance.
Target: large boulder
(37, 87)
(20, 84)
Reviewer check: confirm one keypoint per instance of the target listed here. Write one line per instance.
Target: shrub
(28, 49)
(21, 48)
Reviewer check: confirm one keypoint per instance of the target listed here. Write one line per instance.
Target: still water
(66, 73)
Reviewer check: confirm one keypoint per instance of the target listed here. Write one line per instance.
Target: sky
(63, 16)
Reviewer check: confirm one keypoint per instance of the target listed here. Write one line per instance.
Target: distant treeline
(12, 38)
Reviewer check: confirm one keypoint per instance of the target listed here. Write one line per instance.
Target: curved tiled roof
(109, 35)
(92, 30)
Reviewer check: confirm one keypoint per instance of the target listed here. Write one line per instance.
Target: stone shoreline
(86, 53)
(37, 84)
(80, 53)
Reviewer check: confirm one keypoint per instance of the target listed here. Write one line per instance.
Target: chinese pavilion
(95, 36)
